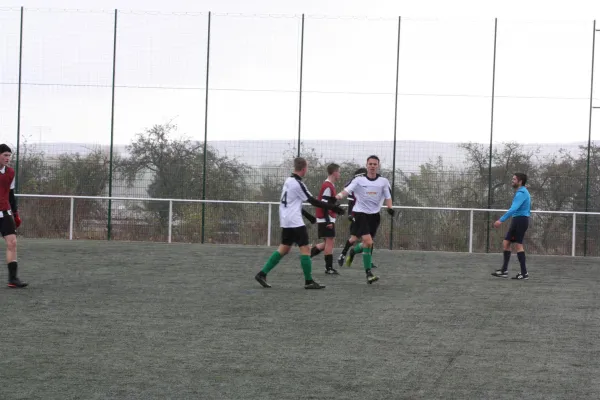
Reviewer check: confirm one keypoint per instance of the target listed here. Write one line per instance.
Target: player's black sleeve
(12, 200)
(321, 204)
(311, 218)
(351, 203)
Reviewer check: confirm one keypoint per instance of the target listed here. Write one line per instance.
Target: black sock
(328, 261)
(346, 247)
(507, 254)
(12, 270)
(521, 257)
(314, 251)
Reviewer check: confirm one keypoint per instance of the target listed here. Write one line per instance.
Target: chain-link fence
(215, 106)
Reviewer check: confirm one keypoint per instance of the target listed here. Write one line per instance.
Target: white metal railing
(270, 205)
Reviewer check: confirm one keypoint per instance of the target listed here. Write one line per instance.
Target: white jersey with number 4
(293, 194)
(369, 193)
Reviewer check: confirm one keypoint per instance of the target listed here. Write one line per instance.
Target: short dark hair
(359, 171)
(4, 148)
(331, 168)
(522, 177)
(374, 157)
(299, 164)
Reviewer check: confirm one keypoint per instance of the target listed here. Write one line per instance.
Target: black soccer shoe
(500, 274)
(341, 260)
(314, 285)
(16, 284)
(262, 279)
(371, 278)
(520, 276)
(331, 271)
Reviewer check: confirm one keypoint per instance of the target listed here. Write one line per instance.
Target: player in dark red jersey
(326, 219)
(9, 216)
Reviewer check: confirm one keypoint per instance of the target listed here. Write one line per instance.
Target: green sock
(306, 263)
(272, 262)
(367, 258)
(358, 248)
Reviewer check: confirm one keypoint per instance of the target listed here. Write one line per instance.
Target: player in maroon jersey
(326, 219)
(9, 216)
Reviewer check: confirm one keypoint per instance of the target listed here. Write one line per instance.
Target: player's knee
(367, 242)
(11, 243)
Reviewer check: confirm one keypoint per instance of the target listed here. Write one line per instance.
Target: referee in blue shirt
(520, 210)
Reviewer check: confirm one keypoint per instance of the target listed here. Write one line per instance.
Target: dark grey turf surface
(157, 321)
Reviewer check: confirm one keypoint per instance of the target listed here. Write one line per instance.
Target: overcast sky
(446, 51)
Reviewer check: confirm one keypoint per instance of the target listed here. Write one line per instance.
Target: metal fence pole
(573, 235)
(170, 220)
(587, 179)
(395, 130)
(300, 88)
(487, 246)
(205, 150)
(269, 226)
(471, 232)
(112, 132)
(71, 218)
(19, 103)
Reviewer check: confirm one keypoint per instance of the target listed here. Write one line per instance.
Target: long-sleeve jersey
(521, 205)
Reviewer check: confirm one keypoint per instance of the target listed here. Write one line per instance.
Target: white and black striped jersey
(293, 194)
(368, 193)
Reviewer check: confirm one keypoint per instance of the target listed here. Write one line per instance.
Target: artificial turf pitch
(117, 320)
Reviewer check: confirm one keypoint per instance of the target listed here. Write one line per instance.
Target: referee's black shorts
(291, 236)
(365, 224)
(518, 227)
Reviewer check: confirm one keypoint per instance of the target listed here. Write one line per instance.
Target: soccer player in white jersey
(370, 192)
(293, 230)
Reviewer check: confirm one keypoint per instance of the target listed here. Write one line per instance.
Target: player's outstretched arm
(311, 218)
(328, 206)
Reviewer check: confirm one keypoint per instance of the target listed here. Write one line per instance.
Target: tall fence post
(395, 130)
(471, 231)
(170, 220)
(269, 226)
(300, 88)
(205, 129)
(573, 235)
(112, 133)
(71, 218)
(19, 103)
(587, 179)
(487, 246)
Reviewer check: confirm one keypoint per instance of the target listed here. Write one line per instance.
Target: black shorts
(518, 227)
(324, 231)
(7, 225)
(365, 224)
(291, 236)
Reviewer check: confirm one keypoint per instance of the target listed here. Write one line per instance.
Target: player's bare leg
(11, 261)
(306, 264)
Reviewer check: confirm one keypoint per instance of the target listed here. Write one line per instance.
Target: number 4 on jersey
(284, 199)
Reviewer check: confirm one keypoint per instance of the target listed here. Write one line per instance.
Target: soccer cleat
(331, 271)
(262, 279)
(314, 285)
(350, 258)
(371, 278)
(500, 274)
(341, 260)
(520, 276)
(16, 284)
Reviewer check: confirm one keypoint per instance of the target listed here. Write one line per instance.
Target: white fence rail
(269, 206)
